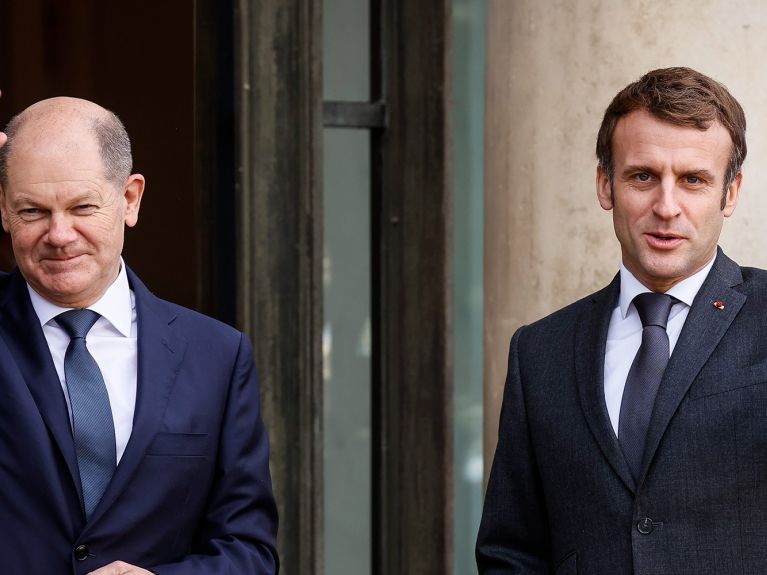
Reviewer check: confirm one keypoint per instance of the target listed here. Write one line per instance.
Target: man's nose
(666, 204)
(60, 231)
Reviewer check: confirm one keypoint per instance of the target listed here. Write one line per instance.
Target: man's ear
(132, 193)
(604, 189)
(731, 195)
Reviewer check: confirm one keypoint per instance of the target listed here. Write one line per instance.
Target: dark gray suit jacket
(561, 498)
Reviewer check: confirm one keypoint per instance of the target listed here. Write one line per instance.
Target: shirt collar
(685, 291)
(115, 305)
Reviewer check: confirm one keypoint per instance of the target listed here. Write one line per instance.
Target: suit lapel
(590, 344)
(21, 330)
(703, 329)
(160, 351)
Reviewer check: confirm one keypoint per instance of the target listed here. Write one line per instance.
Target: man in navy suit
(630, 440)
(183, 484)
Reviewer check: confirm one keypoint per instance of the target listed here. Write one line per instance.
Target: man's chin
(662, 278)
(65, 292)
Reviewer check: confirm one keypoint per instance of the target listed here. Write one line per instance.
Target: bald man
(131, 440)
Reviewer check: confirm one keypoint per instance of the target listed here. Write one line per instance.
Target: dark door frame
(279, 117)
(412, 262)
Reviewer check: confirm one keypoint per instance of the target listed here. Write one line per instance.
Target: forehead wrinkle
(55, 162)
(64, 190)
(640, 135)
(62, 180)
(679, 160)
(59, 195)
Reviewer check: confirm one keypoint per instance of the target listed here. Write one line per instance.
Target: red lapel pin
(719, 304)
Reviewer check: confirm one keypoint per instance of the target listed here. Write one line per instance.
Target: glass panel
(346, 45)
(468, 202)
(346, 351)
(346, 336)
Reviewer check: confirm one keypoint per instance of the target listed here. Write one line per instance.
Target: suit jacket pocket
(712, 384)
(179, 445)
(568, 565)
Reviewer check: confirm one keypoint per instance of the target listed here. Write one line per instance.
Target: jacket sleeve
(237, 533)
(513, 534)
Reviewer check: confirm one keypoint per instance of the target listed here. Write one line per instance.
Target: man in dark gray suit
(633, 433)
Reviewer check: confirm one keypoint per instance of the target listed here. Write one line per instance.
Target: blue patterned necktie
(644, 377)
(92, 424)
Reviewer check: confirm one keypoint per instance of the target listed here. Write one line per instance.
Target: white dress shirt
(624, 335)
(112, 343)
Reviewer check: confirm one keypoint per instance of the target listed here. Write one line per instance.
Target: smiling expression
(667, 196)
(66, 220)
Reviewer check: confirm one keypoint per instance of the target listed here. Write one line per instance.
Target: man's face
(65, 219)
(666, 196)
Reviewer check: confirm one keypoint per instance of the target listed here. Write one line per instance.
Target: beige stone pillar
(552, 68)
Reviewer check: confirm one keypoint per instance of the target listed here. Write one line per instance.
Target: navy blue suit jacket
(561, 498)
(192, 492)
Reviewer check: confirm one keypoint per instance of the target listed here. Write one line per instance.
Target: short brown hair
(682, 97)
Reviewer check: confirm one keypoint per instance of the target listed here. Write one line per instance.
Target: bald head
(68, 124)
(67, 197)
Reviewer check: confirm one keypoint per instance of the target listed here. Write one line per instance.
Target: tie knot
(654, 308)
(77, 322)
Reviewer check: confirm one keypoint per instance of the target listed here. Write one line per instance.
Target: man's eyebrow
(635, 168)
(699, 173)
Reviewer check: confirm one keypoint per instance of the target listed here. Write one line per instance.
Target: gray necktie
(92, 424)
(644, 377)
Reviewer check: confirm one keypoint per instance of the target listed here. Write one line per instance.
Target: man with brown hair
(641, 445)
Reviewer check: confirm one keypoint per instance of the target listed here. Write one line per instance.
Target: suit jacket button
(81, 552)
(645, 526)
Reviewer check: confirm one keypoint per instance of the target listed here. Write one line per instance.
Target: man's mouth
(663, 240)
(59, 259)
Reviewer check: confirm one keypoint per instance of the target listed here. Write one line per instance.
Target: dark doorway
(146, 62)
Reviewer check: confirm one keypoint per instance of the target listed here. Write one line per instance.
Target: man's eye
(643, 177)
(30, 214)
(692, 179)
